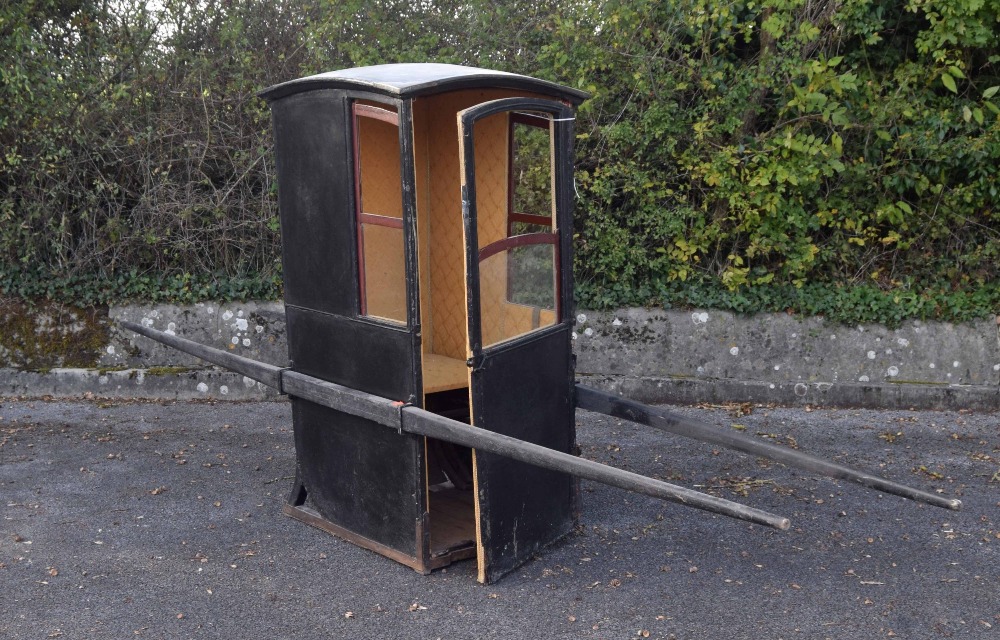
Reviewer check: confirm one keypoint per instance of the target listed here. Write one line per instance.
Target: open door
(518, 230)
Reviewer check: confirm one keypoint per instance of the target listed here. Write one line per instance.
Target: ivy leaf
(949, 83)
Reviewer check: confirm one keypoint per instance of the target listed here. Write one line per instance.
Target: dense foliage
(841, 142)
(831, 156)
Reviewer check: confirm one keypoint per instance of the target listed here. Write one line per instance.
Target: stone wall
(715, 356)
(652, 355)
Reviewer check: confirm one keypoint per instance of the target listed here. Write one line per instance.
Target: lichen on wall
(45, 335)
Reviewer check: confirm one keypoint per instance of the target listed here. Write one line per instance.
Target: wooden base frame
(426, 560)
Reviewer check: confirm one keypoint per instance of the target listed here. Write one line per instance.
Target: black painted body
(369, 484)
(314, 199)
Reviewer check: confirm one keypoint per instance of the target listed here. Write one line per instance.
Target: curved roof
(416, 79)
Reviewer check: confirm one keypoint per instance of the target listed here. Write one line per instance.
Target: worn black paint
(356, 476)
(408, 179)
(522, 390)
(359, 475)
(341, 361)
(370, 356)
(345, 463)
(315, 201)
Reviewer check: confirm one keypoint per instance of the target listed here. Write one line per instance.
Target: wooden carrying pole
(411, 419)
(267, 374)
(618, 407)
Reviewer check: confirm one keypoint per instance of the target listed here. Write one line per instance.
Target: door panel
(518, 302)
(523, 390)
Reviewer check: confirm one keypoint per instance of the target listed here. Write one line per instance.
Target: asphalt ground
(145, 520)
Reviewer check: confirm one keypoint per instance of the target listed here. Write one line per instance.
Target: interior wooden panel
(421, 174)
(447, 258)
(439, 214)
(442, 373)
(452, 521)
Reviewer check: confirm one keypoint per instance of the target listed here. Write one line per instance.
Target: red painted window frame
(517, 216)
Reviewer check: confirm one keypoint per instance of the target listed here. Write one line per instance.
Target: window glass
(532, 282)
(385, 272)
(531, 173)
(382, 266)
(518, 257)
(531, 276)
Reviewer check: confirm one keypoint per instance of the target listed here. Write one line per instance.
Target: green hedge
(785, 142)
(819, 157)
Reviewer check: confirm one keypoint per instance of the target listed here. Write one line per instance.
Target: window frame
(362, 110)
(561, 125)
